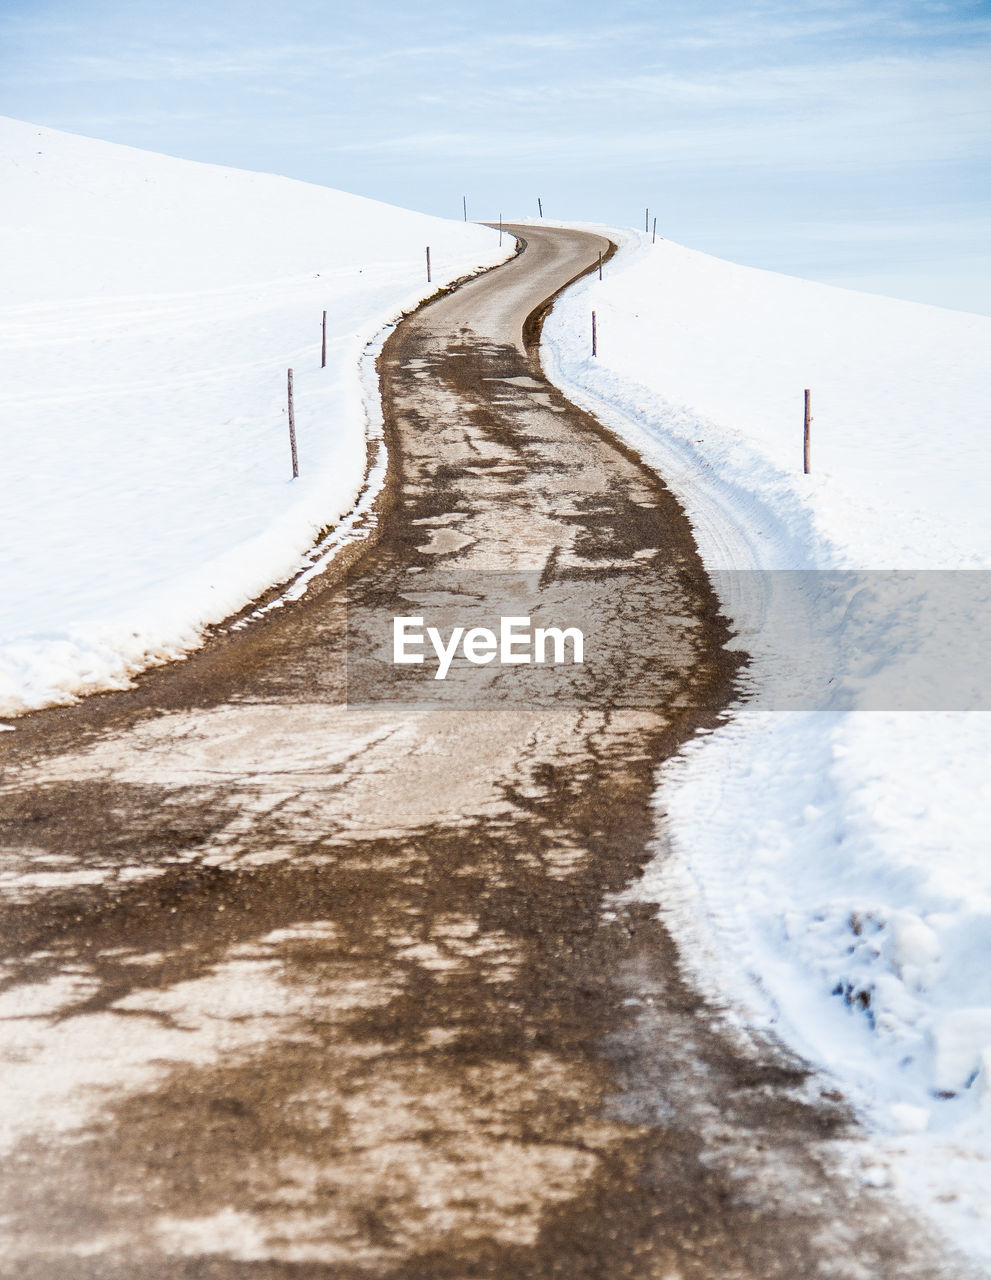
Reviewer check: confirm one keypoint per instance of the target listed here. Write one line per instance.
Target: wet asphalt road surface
(316, 966)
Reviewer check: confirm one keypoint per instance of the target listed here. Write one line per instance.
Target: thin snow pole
(600, 264)
(808, 431)
(595, 337)
(653, 239)
(540, 206)
(464, 202)
(429, 281)
(500, 230)
(646, 220)
(323, 342)
(292, 432)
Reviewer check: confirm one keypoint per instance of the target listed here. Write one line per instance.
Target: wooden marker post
(323, 342)
(429, 281)
(595, 337)
(600, 264)
(653, 238)
(540, 206)
(808, 432)
(292, 432)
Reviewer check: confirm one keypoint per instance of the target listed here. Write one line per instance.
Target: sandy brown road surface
(314, 966)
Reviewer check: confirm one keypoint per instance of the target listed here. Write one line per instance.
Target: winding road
(314, 965)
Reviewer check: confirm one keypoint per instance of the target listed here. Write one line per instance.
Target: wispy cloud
(762, 112)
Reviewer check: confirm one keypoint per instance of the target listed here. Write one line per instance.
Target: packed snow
(150, 309)
(825, 865)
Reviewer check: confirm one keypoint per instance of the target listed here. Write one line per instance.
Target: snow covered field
(149, 310)
(829, 867)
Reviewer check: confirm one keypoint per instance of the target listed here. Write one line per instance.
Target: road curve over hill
(315, 965)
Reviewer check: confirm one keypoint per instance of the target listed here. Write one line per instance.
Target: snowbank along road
(315, 965)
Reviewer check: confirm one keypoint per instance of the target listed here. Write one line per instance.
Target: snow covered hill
(149, 311)
(826, 864)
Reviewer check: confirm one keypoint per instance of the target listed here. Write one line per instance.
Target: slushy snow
(826, 866)
(149, 311)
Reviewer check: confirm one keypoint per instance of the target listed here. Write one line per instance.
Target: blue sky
(845, 141)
